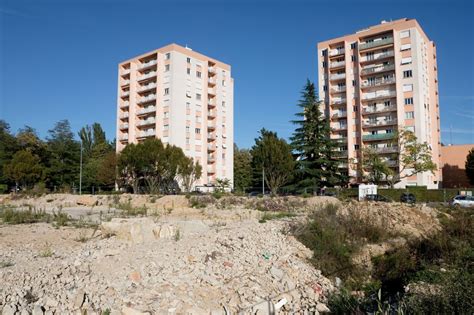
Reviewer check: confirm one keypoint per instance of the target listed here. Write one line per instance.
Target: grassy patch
(46, 251)
(11, 216)
(275, 215)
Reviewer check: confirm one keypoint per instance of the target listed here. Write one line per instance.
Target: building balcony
(125, 82)
(339, 115)
(376, 43)
(379, 123)
(211, 81)
(392, 163)
(211, 114)
(147, 133)
(211, 91)
(147, 64)
(211, 137)
(125, 104)
(376, 57)
(338, 76)
(337, 64)
(377, 69)
(145, 99)
(341, 154)
(377, 82)
(336, 52)
(211, 147)
(146, 110)
(343, 165)
(211, 125)
(147, 87)
(211, 103)
(385, 150)
(146, 122)
(147, 76)
(378, 137)
(338, 89)
(380, 109)
(339, 127)
(210, 159)
(211, 70)
(340, 140)
(123, 126)
(125, 94)
(124, 115)
(338, 101)
(125, 71)
(211, 170)
(379, 95)
(124, 138)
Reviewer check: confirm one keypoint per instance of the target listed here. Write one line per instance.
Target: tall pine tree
(317, 165)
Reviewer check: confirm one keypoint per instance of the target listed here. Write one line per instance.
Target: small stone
(131, 311)
(135, 276)
(37, 310)
(277, 273)
(79, 299)
(322, 308)
(9, 310)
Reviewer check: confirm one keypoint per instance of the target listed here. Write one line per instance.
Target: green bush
(3, 189)
(11, 216)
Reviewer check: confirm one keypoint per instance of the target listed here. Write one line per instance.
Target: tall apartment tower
(183, 98)
(375, 82)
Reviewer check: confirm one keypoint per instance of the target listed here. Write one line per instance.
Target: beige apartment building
(376, 81)
(183, 98)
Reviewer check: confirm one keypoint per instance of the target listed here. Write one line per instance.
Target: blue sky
(58, 59)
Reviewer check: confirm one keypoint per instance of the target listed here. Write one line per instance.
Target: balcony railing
(383, 150)
(378, 82)
(380, 123)
(211, 103)
(125, 82)
(338, 76)
(147, 76)
(338, 89)
(211, 147)
(340, 139)
(338, 64)
(335, 52)
(124, 94)
(124, 138)
(125, 71)
(339, 127)
(148, 98)
(378, 69)
(339, 115)
(148, 133)
(377, 56)
(383, 94)
(338, 101)
(125, 104)
(211, 159)
(123, 116)
(146, 122)
(211, 81)
(147, 64)
(147, 87)
(392, 163)
(146, 110)
(380, 136)
(211, 137)
(211, 91)
(123, 126)
(212, 70)
(210, 170)
(384, 109)
(376, 43)
(211, 114)
(341, 153)
(211, 125)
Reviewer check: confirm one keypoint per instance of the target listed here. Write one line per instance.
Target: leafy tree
(64, 155)
(222, 185)
(413, 157)
(130, 164)
(470, 166)
(189, 173)
(317, 165)
(24, 169)
(273, 155)
(242, 169)
(375, 168)
(8, 146)
(106, 170)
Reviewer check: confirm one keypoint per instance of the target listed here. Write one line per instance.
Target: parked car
(408, 198)
(377, 198)
(462, 201)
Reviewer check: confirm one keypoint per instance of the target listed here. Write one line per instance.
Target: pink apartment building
(378, 80)
(183, 98)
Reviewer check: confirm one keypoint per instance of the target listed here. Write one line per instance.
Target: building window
(353, 45)
(387, 103)
(356, 147)
(166, 114)
(188, 60)
(353, 58)
(187, 129)
(168, 56)
(223, 104)
(407, 87)
(198, 96)
(324, 64)
(406, 61)
(166, 127)
(167, 91)
(405, 47)
(405, 34)
(355, 108)
(188, 105)
(197, 130)
(198, 74)
(410, 115)
(325, 87)
(353, 82)
(324, 52)
(409, 101)
(188, 71)
(167, 68)
(407, 74)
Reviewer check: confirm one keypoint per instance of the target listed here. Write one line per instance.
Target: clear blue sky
(58, 59)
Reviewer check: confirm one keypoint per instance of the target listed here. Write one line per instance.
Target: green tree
(317, 164)
(64, 152)
(470, 166)
(375, 167)
(189, 173)
(242, 169)
(106, 170)
(272, 155)
(24, 169)
(8, 146)
(413, 157)
(130, 164)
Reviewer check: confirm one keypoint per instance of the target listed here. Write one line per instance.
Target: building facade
(375, 82)
(454, 165)
(183, 98)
